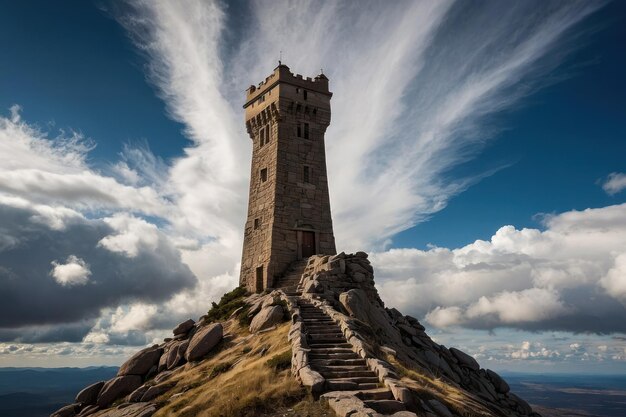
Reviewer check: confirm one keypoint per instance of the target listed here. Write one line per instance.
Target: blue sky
(473, 118)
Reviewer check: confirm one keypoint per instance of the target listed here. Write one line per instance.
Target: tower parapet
(289, 214)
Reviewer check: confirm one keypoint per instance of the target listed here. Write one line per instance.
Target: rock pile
(144, 376)
(342, 286)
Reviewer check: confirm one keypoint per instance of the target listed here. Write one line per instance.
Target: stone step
(386, 406)
(327, 341)
(330, 356)
(326, 335)
(375, 394)
(348, 384)
(317, 321)
(329, 351)
(339, 368)
(330, 345)
(348, 374)
(337, 362)
(324, 327)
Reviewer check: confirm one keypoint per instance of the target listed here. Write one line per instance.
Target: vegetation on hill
(248, 376)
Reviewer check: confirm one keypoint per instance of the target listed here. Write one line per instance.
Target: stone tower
(289, 208)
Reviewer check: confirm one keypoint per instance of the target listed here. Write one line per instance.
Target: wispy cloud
(413, 88)
(615, 183)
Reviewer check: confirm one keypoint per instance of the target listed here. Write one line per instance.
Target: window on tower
(264, 135)
(257, 223)
(306, 130)
(304, 95)
(306, 174)
(264, 175)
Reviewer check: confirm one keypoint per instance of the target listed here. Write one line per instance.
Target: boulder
(465, 359)
(523, 406)
(498, 383)
(141, 362)
(312, 287)
(358, 305)
(156, 390)
(89, 410)
(135, 396)
(179, 359)
(89, 395)
(203, 341)
(67, 411)
(266, 318)
(183, 327)
(312, 379)
(116, 388)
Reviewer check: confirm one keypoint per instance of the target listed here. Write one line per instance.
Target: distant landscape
(572, 395)
(35, 392)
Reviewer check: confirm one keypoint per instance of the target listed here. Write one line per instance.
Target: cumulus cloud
(74, 271)
(32, 298)
(131, 235)
(569, 276)
(536, 350)
(615, 183)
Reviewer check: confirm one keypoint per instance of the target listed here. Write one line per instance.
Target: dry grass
(237, 380)
(457, 400)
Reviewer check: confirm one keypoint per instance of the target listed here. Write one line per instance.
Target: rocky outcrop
(116, 388)
(89, 395)
(342, 286)
(266, 318)
(141, 362)
(143, 377)
(184, 327)
(202, 342)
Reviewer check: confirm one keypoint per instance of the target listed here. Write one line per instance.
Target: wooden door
(259, 279)
(308, 244)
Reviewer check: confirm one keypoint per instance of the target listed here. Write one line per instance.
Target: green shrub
(280, 362)
(229, 302)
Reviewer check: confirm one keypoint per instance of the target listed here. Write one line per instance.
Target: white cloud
(132, 235)
(558, 278)
(615, 280)
(535, 350)
(74, 271)
(429, 100)
(615, 183)
(136, 317)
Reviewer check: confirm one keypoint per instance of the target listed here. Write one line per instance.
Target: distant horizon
(501, 372)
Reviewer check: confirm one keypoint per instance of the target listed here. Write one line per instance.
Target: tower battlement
(282, 74)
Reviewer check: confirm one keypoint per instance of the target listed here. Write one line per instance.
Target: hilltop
(321, 344)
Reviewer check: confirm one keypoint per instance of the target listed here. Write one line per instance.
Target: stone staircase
(332, 356)
(291, 278)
